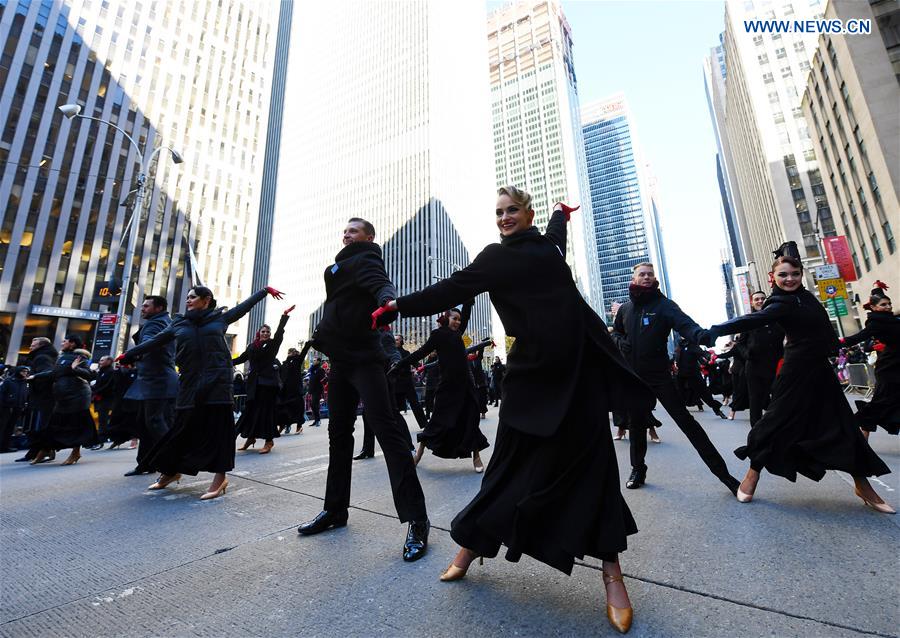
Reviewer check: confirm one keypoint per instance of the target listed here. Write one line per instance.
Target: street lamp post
(72, 111)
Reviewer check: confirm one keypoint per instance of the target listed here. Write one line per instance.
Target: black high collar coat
(533, 291)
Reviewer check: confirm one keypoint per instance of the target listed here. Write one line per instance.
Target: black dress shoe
(136, 472)
(636, 479)
(325, 520)
(364, 455)
(23, 459)
(720, 414)
(416, 540)
(732, 484)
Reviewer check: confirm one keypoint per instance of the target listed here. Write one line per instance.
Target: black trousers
(409, 396)
(430, 391)
(104, 410)
(758, 389)
(369, 434)
(347, 384)
(315, 396)
(671, 400)
(155, 417)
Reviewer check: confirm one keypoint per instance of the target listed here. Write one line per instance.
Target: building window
(763, 59)
(889, 236)
(780, 53)
(768, 78)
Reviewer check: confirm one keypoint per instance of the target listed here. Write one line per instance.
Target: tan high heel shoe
(457, 573)
(883, 508)
(267, 447)
(619, 618)
(39, 457)
(219, 492)
(249, 443)
(164, 481)
(73, 458)
(477, 462)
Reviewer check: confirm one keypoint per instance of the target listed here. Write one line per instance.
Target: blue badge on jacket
(646, 321)
(334, 269)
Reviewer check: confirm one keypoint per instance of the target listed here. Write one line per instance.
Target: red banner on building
(837, 251)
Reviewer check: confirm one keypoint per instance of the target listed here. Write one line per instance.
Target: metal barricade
(860, 378)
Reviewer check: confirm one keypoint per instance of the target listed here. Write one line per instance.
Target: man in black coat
(356, 285)
(157, 382)
(315, 388)
(641, 328)
(497, 372)
(41, 358)
(688, 357)
(103, 397)
(405, 388)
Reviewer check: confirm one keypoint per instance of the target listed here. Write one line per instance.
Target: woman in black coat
(551, 489)
(263, 383)
(809, 427)
(452, 432)
(881, 324)
(763, 348)
(202, 437)
(71, 424)
(290, 397)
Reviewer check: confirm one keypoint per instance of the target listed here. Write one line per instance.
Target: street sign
(467, 340)
(837, 251)
(103, 335)
(828, 271)
(838, 303)
(831, 288)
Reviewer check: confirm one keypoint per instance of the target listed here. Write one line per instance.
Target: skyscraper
(389, 122)
(852, 99)
(625, 212)
(536, 123)
(193, 76)
(774, 167)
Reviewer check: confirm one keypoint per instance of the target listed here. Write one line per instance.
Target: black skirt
(258, 419)
(123, 424)
(453, 430)
(290, 411)
(740, 397)
(68, 430)
(554, 498)
(201, 440)
(809, 428)
(883, 409)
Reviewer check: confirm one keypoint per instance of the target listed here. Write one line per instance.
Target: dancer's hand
(77, 361)
(420, 369)
(567, 210)
(120, 358)
(277, 294)
(380, 311)
(288, 311)
(472, 356)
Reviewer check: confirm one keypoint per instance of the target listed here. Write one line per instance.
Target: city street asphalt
(85, 551)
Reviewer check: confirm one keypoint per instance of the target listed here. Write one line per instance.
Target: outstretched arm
(557, 231)
(417, 355)
(279, 332)
(685, 326)
(770, 313)
(462, 285)
(161, 339)
(465, 315)
(241, 358)
(860, 337)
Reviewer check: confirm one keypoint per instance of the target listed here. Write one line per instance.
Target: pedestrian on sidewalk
(71, 424)
(884, 326)
(453, 430)
(551, 489)
(202, 436)
(263, 384)
(356, 284)
(809, 427)
(641, 328)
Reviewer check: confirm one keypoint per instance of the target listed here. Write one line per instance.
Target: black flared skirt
(740, 395)
(453, 430)
(258, 418)
(556, 498)
(68, 430)
(883, 409)
(809, 428)
(201, 440)
(123, 424)
(290, 411)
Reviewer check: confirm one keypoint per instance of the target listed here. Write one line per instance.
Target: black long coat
(641, 329)
(550, 322)
(886, 328)
(156, 376)
(403, 379)
(764, 347)
(71, 386)
(263, 361)
(355, 285)
(202, 356)
(291, 373)
(40, 390)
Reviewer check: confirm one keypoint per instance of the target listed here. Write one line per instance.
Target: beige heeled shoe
(477, 462)
(164, 481)
(618, 617)
(267, 447)
(882, 507)
(457, 573)
(217, 493)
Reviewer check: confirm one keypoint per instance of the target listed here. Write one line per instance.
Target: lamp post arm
(118, 128)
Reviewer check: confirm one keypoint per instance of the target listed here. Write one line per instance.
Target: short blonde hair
(518, 196)
(643, 264)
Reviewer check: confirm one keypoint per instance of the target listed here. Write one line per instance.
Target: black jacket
(533, 291)
(103, 388)
(450, 349)
(13, 393)
(497, 372)
(641, 330)
(403, 378)
(886, 328)
(71, 387)
(764, 347)
(201, 353)
(263, 361)
(291, 373)
(316, 379)
(688, 358)
(40, 394)
(156, 376)
(355, 285)
(810, 337)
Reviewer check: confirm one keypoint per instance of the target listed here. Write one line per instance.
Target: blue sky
(653, 51)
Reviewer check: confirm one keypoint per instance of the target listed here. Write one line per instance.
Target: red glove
(275, 293)
(842, 340)
(568, 210)
(878, 346)
(120, 358)
(420, 369)
(472, 356)
(378, 312)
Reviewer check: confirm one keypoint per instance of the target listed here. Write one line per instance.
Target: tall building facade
(190, 75)
(389, 122)
(536, 122)
(773, 163)
(852, 99)
(625, 216)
